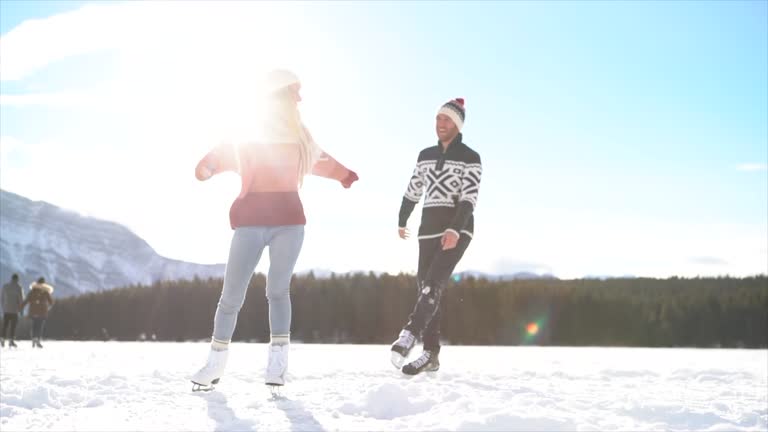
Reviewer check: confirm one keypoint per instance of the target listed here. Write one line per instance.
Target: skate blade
(397, 360)
(197, 387)
(276, 391)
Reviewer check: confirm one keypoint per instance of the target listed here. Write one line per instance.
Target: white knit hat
(454, 109)
(278, 79)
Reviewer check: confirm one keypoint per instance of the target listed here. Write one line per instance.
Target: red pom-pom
(460, 101)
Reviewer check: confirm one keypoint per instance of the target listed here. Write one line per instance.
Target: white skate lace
(275, 365)
(406, 339)
(421, 361)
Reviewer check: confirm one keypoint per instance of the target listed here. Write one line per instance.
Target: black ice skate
(427, 362)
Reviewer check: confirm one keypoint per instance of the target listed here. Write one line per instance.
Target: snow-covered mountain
(79, 254)
(505, 276)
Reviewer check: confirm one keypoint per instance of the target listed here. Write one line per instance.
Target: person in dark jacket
(12, 297)
(40, 301)
(450, 173)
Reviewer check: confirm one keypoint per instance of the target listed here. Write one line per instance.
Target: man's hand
(449, 239)
(403, 233)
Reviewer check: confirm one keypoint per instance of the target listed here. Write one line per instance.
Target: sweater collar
(453, 144)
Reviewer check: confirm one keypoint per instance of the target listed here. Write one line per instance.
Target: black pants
(38, 325)
(435, 268)
(10, 319)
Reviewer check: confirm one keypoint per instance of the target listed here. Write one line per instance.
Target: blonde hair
(284, 125)
(309, 153)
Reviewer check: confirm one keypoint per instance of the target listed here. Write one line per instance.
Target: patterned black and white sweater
(452, 182)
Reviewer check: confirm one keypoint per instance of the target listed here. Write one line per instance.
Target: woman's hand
(204, 170)
(349, 179)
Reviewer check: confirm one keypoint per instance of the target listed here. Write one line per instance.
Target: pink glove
(349, 179)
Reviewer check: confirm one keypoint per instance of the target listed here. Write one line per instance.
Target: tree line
(371, 309)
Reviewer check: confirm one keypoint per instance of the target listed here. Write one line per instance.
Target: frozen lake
(132, 386)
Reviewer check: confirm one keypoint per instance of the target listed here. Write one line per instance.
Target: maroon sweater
(269, 176)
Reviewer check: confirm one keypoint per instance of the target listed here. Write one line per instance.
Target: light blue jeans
(248, 243)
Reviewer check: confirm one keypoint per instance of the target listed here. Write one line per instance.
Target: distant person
(267, 212)
(40, 301)
(450, 172)
(12, 302)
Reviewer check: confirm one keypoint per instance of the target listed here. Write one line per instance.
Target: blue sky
(617, 137)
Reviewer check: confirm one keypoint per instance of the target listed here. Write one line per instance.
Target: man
(450, 172)
(12, 299)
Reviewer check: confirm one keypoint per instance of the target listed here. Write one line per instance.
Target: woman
(40, 302)
(268, 212)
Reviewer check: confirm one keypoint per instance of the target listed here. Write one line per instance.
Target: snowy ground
(112, 386)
